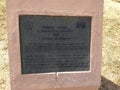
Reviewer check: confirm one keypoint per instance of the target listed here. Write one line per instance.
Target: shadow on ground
(108, 85)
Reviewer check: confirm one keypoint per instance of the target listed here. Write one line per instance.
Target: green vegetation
(111, 44)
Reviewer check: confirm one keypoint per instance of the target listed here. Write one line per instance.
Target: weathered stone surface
(108, 85)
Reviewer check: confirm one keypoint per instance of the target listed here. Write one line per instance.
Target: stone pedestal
(75, 80)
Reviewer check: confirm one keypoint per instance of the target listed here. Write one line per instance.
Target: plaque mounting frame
(55, 13)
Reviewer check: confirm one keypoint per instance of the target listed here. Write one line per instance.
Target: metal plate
(54, 43)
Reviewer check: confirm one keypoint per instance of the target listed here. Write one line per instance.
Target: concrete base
(81, 88)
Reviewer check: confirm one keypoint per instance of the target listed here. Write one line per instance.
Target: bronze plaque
(54, 43)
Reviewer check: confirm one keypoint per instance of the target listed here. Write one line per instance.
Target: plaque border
(53, 13)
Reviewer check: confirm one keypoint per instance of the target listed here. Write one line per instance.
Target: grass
(111, 44)
(4, 69)
(116, 0)
(111, 41)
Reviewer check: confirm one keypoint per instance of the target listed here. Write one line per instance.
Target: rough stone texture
(108, 85)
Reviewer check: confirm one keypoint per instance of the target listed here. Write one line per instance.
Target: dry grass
(111, 41)
(116, 0)
(111, 44)
(4, 70)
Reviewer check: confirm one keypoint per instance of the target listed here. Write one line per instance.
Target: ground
(111, 41)
(111, 47)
